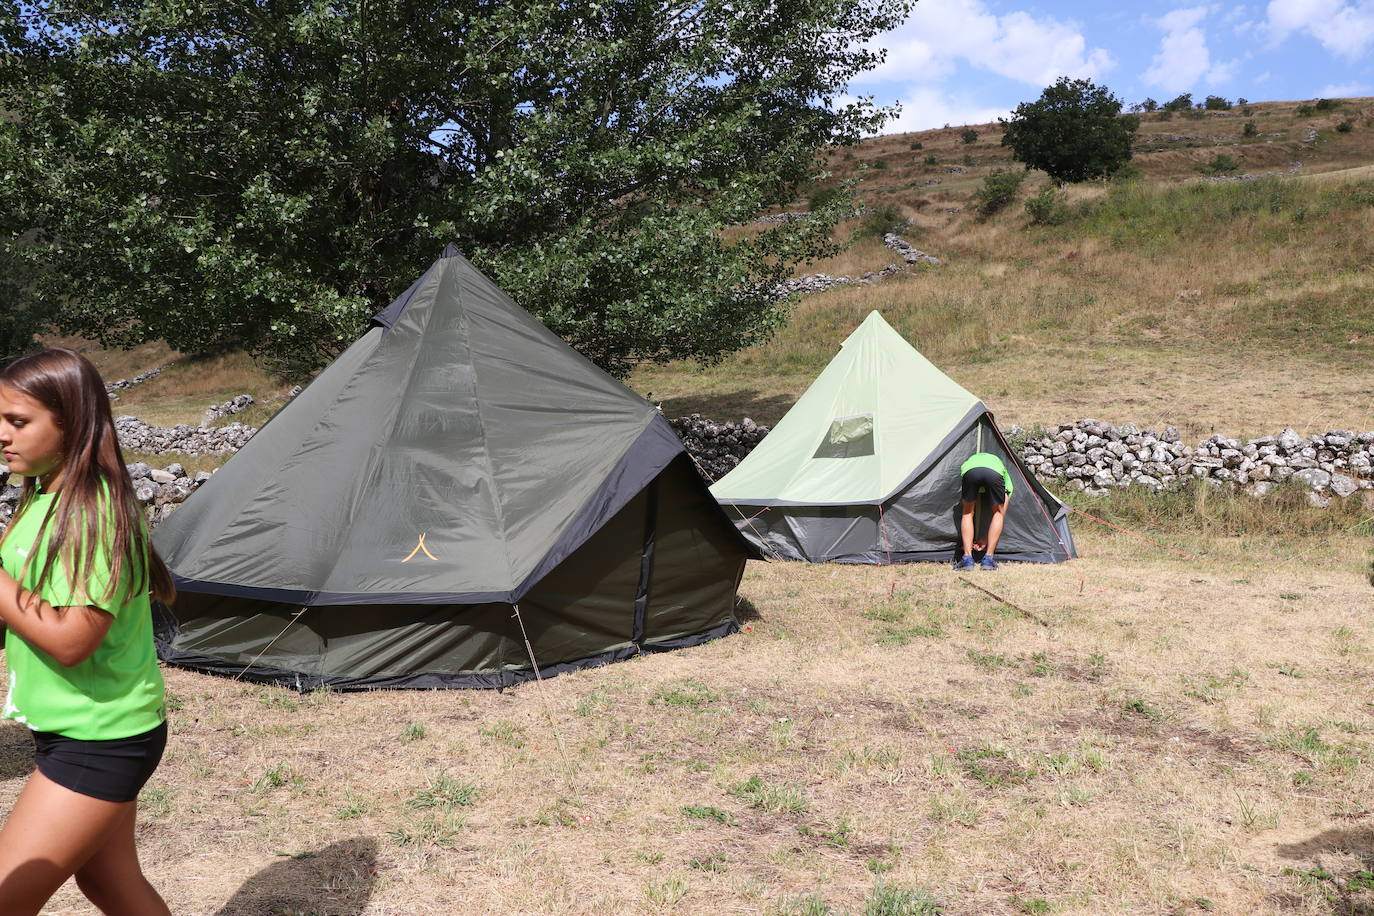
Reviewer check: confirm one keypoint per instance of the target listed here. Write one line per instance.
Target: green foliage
(1250, 129)
(1181, 102)
(1047, 207)
(1074, 132)
(708, 813)
(968, 135)
(20, 317)
(916, 145)
(998, 189)
(1345, 127)
(780, 798)
(1305, 111)
(889, 900)
(1326, 104)
(880, 164)
(881, 220)
(1221, 164)
(443, 791)
(1216, 103)
(686, 693)
(1149, 105)
(930, 160)
(270, 175)
(826, 196)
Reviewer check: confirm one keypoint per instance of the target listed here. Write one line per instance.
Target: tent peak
(451, 250)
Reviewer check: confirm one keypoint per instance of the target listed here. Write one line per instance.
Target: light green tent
(865, 466)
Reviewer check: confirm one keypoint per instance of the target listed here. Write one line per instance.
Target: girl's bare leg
(112, 878)
(52, 833)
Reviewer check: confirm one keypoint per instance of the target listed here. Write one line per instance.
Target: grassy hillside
(1231, 306)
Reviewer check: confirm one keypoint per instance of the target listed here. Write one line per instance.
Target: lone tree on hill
(269, 175)
(1075, 131)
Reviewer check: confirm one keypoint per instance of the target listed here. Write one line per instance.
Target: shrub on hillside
(997, 190)
(1181, 102)
(1047, 207)
(880, 164)
(1249, 130)
(882, 220)
(1345, 127)
(930, 160)
(917, 144)
(1306, 111)
(1326, 104)
(1242, 101)
(824, 197)
(969, 135)
(1217, 103)
(1221, 164)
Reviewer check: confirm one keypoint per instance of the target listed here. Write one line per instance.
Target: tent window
(848, 437)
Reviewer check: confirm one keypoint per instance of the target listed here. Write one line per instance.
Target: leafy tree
(1149, 105)
(1217, 103)
(271, 174)
(1074, 131)
(1182, 102)
(968, 135)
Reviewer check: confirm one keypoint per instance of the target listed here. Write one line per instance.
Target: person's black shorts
(984, 479)
(112, 770)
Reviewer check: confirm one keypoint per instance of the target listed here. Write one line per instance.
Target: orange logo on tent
(419, 546)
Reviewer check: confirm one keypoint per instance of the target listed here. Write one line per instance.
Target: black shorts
(112, 770)
(984, 479)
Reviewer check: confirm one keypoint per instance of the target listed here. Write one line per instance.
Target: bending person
(982, 473)
(74, 602)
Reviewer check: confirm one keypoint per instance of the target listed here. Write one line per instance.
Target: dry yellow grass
(1179, 732)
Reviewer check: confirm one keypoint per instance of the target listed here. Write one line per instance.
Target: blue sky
(969, 61)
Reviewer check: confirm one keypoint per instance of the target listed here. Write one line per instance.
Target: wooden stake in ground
(996, 597)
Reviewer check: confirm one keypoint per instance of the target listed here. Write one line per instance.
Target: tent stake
(996, 597)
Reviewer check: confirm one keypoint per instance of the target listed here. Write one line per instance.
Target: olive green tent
(865, 466)
(455, 482)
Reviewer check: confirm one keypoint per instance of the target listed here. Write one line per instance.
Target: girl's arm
(69, 634)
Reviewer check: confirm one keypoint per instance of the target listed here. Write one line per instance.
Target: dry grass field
(1170, 736)
(1131, 732)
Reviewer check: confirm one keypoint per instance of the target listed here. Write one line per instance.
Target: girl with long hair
(76, 573)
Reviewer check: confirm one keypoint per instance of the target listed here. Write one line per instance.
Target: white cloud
(926, 107)
(1343, 28)
(1345, 91)
(1184, 60)
(940, 34)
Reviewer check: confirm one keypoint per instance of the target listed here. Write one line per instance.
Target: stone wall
(158, 490)
(1094, 457)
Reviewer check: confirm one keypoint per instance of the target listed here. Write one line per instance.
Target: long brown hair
(96, 498)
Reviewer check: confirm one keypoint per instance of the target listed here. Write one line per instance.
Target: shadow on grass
(16, 751)
(745, 611)
(337, 880)
(731, 406)
(1347, 894)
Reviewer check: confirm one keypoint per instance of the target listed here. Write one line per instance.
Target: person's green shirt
(116, 693)
(992, 462)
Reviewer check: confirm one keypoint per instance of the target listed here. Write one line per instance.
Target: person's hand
(980, 545)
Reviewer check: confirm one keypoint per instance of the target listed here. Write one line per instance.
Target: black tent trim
(498, 680)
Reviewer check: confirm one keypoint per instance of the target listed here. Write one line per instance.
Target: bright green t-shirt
(991, 462)
(118, 691)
